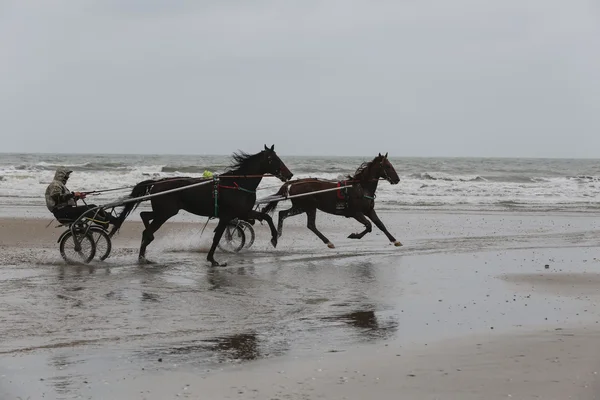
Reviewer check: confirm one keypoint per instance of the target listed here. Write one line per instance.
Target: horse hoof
(214, 263)
(397, 243)
(144, 261)
(330, 245)
(274, 242)
(353, 236)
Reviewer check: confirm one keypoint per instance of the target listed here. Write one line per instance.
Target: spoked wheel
(102, 242)
(233, 239)
(75, 254)
(248, 232)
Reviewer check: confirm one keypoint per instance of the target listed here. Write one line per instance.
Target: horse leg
(223, 222)
(285, 214)
(147, 216)
(312, 217)
(360, 217)
(148, 237)
(253, 214)
(373, 216)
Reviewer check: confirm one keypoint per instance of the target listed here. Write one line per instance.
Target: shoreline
(38, 211)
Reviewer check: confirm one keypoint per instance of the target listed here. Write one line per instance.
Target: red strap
(230, 187)
(339, 191)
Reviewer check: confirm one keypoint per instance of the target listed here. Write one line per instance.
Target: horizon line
(291, 155)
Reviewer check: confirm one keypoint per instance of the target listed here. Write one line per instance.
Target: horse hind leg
(147, 216)
(265, 217)
(311, 224)
(286, 214)
(360, 217)
(148, 237)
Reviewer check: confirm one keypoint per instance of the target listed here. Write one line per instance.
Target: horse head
(272, 164)
(385, 169)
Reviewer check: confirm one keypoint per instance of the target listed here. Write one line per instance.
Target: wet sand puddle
(72, 327)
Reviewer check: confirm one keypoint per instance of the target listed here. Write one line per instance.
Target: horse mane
(241, 159)
(363, 170)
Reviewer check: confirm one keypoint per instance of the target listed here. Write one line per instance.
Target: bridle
(385, 173)
(281, 172)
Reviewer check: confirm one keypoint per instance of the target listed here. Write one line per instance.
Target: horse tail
(283, 191)
(141, 189)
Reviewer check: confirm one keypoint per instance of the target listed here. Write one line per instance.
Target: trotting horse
(357, 201)
(230, 196)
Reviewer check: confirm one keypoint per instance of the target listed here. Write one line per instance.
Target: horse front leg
(253, 214)
(360, 217)
(373, 216)
(223, 222)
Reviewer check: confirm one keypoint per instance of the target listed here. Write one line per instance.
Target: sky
(503, 78)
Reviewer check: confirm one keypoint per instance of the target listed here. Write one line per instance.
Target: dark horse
(231, 196)
(357, 201)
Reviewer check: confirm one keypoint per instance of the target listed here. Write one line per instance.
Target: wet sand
(465, 310)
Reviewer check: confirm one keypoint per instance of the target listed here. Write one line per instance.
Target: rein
(235, 186)
(168, 180)
(360, 181)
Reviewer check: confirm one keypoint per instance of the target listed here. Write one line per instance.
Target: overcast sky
(336, 77)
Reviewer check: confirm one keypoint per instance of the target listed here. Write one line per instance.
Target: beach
(470, 129)
(475, 305)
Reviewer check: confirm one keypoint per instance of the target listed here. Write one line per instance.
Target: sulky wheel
(102, 242)
(233, 239)
(83, 253)
(248, 232)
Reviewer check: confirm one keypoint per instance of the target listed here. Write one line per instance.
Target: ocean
(494, 184)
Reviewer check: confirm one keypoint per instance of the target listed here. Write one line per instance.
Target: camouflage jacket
(57, 194)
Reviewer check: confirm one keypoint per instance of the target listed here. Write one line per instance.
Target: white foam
(431, 189)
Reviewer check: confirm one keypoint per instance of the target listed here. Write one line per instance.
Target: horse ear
(273, 148)
(266, 147)
(379, 155)
(385, 155)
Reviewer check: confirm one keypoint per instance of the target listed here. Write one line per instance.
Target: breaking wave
(425, 183)
(440, 176)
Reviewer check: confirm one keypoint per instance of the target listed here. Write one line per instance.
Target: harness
(343, 196)
(216, 188)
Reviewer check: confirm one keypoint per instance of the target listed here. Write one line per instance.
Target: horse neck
(368, 180)
(238, 176)
(250, 183)
(369, 185)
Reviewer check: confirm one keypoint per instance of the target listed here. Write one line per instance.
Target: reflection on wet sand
(215, 280)
(363, 270)
(68, 272)
(218, 279)
(367, 324)
(62, 381)
(149, 297)
(238, 347)
(76, 271)
(244, 346)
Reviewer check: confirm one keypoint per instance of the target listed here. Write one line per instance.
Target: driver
(62, 203)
